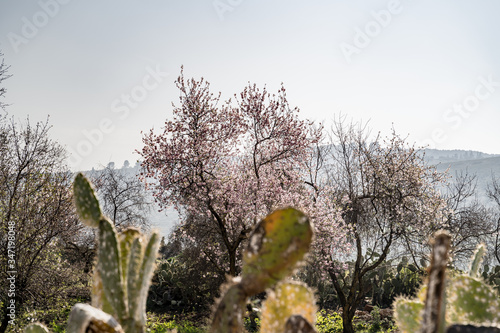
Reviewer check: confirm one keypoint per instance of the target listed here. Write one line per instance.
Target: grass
(326, 322)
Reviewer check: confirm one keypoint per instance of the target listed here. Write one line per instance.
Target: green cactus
(477, 259)
(468, 300)
(87, 205)
(275, 247)
(407, 314)
(125, 265)
(473, 301)
(288, 299)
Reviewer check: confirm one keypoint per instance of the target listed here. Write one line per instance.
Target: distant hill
(480, 164)
(435, 156)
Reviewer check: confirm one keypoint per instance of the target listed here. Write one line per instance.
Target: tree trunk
(232, 263)
(347, 317)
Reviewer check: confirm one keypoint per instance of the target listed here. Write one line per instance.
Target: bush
(54, 317)
(328, 323)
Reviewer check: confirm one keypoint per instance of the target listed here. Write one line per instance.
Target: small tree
(123, 196)
(36, 211)
(469, 221)
(225, 167)
(388, 197)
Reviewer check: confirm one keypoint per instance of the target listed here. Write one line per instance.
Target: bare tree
(388, 195)
(123, 196)
(36, 212)
(3, 76)
(469, 221)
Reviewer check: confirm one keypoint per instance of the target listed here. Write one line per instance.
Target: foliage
(328, 323)
(54, 316)
(251, 326)
(492, 276)
(389, 280)
(377, 322)
(177, 286)
(160, 324)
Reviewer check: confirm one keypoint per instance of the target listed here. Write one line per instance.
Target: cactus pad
(87, 206)
(277, 244)
(408, 314)
(473, 301)
(287, 300)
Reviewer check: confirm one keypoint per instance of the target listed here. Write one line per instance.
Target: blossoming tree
(389, 201)
(224, 167)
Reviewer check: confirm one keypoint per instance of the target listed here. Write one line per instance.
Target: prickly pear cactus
(125, 265)
(407, 314)
(473, 300)
(277, 244)
(468, 300)
(287, 299)
(274, 249)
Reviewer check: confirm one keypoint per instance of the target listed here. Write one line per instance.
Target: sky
(104, 71)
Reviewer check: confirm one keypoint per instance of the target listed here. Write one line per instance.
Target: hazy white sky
(104, 70)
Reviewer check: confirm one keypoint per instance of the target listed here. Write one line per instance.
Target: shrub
(328, 323)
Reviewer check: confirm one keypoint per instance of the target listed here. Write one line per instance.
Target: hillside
(436, 156)
(483, 168)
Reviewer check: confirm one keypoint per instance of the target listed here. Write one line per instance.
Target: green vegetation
(328, 323)
(162, 324)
